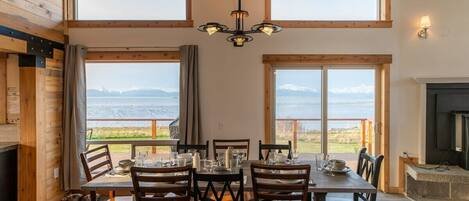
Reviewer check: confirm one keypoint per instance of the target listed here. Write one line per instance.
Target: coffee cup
(338, 164)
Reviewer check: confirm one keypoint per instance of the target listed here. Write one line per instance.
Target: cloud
(361, 89)
(292, 87)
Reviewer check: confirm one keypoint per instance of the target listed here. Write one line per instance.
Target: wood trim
(384, 22)
(130, 24)
(385, 124)
(3, 88)
(189, 10)
(268, 10)
(267, 103)
(331, 24)
(121, 56)
(327, 59)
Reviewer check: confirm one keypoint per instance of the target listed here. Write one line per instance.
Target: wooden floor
(381, 197)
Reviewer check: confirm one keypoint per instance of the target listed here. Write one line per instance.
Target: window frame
(382, 64)
(73, 22)
(385, 20)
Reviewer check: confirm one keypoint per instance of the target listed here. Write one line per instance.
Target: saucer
(345, 170)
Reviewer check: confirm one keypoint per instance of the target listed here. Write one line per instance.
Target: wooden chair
(96, 163)
(212, 180)
(201, 148)
(162, 184)
(239, 144)
(266, 186)
(274, 147)
(369, 168)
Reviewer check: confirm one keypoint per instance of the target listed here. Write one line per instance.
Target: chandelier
(239, 36)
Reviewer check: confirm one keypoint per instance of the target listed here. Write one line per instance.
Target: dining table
(321, 182)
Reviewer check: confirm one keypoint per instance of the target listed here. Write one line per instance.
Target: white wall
(232, 78)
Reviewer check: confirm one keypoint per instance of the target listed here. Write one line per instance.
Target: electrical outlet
(56, 173)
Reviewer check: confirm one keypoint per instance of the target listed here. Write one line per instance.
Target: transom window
(325, 9)
(131, 10)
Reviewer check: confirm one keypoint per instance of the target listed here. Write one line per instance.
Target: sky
(130, 76)
(176, 10)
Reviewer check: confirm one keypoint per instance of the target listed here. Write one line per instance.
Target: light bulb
(239, 41)
(267, 30)
(211, 30)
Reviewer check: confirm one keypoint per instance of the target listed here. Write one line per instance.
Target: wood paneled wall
(53, 110)
(42, 18)
(41, 129)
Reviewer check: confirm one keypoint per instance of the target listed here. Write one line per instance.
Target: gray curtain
(189, 116)
(74, 117)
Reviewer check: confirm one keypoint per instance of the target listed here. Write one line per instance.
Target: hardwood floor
(381, 197)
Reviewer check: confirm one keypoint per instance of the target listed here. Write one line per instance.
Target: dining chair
(162, 184)
(369, 168)
(220, 145)
(201, 148)
(96, 163)
(212, 186)
(274, 147)
(280, 182)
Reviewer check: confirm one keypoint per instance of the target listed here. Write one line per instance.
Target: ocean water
(167, 108)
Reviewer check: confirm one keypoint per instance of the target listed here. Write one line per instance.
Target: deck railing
(365, 126)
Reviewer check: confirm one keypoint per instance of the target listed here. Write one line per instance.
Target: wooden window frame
(133, 56)
(385, 20)
(73, 22)
(381, 63)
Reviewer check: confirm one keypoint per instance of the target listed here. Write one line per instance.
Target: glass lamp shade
(425, 22)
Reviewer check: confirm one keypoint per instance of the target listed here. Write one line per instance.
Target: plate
(345, 170)
(283, 181)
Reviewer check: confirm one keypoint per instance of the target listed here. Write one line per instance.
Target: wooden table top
(339, 183)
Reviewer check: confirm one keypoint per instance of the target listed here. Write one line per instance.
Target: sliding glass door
(328, 109)
(298, 108)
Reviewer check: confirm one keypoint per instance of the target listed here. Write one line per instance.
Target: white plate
(289, 181)
(345, 170)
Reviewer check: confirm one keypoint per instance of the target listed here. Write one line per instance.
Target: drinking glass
(173, 156)
(220, 159)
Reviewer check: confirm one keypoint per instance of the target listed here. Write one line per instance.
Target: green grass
(340, 140)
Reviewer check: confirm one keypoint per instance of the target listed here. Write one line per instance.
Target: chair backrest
(163, 184)
(212, 180)
(96, 162)
(280, 182)
(201, 148)
(369, 167)
(273, 147)
(238, 144)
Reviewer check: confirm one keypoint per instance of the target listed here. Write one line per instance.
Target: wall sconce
(425, 24)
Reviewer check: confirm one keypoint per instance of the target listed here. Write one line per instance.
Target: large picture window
(329, 13)
(131, 10)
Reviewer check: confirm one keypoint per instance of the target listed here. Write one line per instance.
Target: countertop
(7, 146)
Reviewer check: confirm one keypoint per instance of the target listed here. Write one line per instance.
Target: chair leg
(373, 197)
(355, 197)
(93, 196)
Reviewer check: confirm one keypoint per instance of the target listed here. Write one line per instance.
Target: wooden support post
(32, 152)
(295, 135)
(154, 132)
(370, 137)
(363, 133)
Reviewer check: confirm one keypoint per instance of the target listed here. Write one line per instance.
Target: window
(329, 13)
(131, 100)
(131, 10)
(131, 13)
(333, 104)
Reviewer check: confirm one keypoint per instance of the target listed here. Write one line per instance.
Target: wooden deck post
(295, 135)
(370, 137)
(363, 132)
(154, 132)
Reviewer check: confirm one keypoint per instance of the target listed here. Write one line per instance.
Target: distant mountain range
(162, 93)
(131, 93)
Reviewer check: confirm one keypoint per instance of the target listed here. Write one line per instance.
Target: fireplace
(447, 123)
